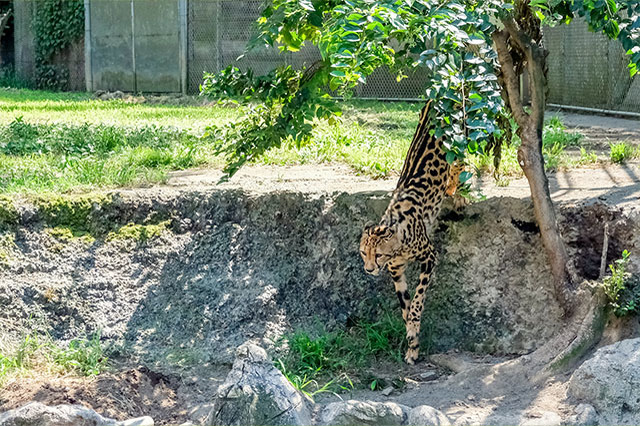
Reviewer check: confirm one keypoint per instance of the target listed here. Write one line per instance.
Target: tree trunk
(530, 152)
(532, 162)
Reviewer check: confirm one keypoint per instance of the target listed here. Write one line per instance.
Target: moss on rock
(137, 232)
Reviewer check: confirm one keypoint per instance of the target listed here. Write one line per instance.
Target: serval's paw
(411, 357)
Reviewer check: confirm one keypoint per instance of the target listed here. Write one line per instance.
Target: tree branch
(4, 19)
(535, 57)
(511, 83)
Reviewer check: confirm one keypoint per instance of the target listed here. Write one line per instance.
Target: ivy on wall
(57, 24)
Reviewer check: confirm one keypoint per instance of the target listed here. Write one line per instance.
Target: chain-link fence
(589, 70)
(167, 45)
(218, 32)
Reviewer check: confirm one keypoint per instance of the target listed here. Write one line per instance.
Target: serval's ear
(368, 226)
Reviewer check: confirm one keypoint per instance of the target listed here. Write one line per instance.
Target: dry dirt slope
(234, 264)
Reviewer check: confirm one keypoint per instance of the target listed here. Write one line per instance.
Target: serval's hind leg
(417, 305)
(396, 269)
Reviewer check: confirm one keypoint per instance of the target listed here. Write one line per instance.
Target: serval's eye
(379, 255)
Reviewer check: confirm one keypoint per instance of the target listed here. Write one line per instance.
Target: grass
(332, 361)
(555, 141)
(622, 152)
(63, 142)
(83, 356)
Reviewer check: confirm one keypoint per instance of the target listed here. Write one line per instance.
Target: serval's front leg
(417, 304)
(396, 268)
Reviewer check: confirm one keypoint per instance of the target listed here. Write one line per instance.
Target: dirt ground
(469, 389)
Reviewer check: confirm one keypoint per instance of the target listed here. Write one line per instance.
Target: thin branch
(511, 83)
(4, 19)
(535, 57)
(519, 37)
(605, 247)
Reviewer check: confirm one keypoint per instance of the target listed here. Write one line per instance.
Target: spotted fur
(402, 234)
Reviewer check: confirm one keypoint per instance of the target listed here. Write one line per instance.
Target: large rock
(585, 415)
(256, 393)
(37, 414)
(346, 413)
(610, 380)
(424, 415)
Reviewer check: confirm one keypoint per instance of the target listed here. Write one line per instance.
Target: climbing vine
(57, 24)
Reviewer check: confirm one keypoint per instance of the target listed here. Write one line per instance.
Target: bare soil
(119, 395)
(469, 389)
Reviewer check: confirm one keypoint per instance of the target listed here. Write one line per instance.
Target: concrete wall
(24, 42)
(135, 46)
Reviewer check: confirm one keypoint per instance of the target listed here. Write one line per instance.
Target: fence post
(88, 68)
(182, 13)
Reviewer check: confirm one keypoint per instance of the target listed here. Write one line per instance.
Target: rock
(256, 393)
(424, 415)
(199, 413)
(37, 414)
(139, 421)
(429, 375)
(585, 415)
(387, 391)
(610, 379)
(363, 413)
(547, 418)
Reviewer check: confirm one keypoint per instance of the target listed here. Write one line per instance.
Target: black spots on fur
(434, 172)
(429, 156)
(403, 305)
(526, 227)
(420, 290)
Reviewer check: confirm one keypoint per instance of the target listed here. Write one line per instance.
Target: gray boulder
(424, 415)
(610, 380)
(346, 413)
(256, 393)
(585, 415)
(37, 414)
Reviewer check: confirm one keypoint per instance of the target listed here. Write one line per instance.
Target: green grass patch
(622, 152)
(332, 361)
(555, 140)
(83, 356)
(66, 142)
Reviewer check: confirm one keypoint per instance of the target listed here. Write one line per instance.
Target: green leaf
(307, 5)
(465, 176)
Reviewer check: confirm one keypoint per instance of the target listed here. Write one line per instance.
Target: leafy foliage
(57, 24)
(279, 109)
(449, 40)
(623, 299)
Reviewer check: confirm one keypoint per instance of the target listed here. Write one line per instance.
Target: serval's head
(378, 246)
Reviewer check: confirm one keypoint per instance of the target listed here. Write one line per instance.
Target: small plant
(83, 356)
(622, 152)
(587, 157)
(333, 361)
(38, 351)
(613, 285)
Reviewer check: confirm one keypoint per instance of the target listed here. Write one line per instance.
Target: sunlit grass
(70, 141)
